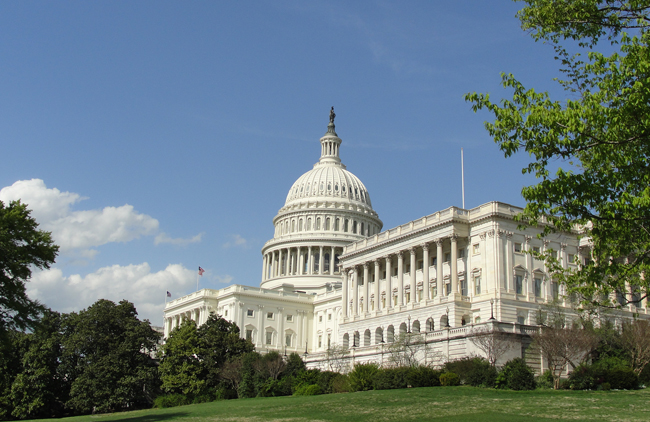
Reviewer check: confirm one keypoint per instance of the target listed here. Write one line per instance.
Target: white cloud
(135, 283)
(78, 232)
(164, 238)
(237, 241)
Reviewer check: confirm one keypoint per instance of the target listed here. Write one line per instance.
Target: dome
(328, 182)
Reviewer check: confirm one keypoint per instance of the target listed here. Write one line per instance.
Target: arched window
(327, 223)
(345, 225)
(379, 335)
(300, 225)
(366, 338)
(336, 224)
(316, 261)
(415, 327)
(430, 325)
(293, 226)
(402, 329)
(318, 223)
(346, 340)
(354, 227)
(362, 230)
(308, 224)
(327, 262)
(390, 334)
(305, 260)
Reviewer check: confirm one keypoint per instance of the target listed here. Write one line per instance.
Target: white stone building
(330, 276)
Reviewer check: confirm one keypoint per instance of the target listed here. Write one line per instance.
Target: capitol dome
(326, 209)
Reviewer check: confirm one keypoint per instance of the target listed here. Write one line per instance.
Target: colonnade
(301, 260)
(199, 315)
(402, 291)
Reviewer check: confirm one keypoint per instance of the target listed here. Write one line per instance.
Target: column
(454, 263)
(375, 289)
(400, 278)
(414, 286)
(264, 262)
(300, 337)
(530, 285)
(332, 263)
(510, 283)
(321, 261)
(260, 324)
(389, 282)
(425, 272)
(344, 292)
(355, 292)
(271, 274)
(301, 260)
(310, 262)
(280, 328)
(366, 290)
(439, 276)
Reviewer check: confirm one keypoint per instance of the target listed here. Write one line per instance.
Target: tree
(635, 338)
(337, 357)
(22, 247)
(180, 367)
(108, 355)
(404, 350)
(491, 341)
(600, 136)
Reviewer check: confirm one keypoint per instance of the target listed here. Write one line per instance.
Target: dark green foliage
(325, 379)
(583, 378)
(623, 379)
(616, 372)
(171, 400)
(474, 371)
(516, 375)
(340, 384)
(362, 377)
(449, 379)
(107, 352)
(545, 380)
(295, 364)
(23, 247)
(11, 352)
(391, 378)
(423, 376)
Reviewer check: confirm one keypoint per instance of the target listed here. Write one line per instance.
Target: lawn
(414, 404)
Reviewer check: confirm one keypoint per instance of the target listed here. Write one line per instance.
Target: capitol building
(332, 277)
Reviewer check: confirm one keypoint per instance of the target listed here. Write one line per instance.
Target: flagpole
(462, 177)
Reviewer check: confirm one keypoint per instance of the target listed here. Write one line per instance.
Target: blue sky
(154, 137)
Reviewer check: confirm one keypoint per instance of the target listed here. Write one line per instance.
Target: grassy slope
(416, 404)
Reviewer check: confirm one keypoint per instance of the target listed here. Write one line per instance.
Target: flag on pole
(201, 271)
(169, 294)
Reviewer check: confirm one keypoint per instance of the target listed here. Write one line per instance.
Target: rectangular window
(269, 315)
(384, 276)
(269, 337)
(518, 247)
(320, 318)
(536, 249)
(538, 287)
(329, 341)
(434, 291)
(320, 341)
(226, 313)
(521, 320)
(289, 318)
(383, 302)
(463, 287)
(249, 312)
(476, 249)
(519, 284)
(448, 287)
(555, 290)
(461, 253)
(394, 300)
(477, 285)
(448, 257)
(420, 265)
(329, 317)
(572, 258)
(287, 340)
(434, 260)
(249, 335)
(408, 297)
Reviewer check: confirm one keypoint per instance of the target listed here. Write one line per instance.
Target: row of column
(291, 261)
(354, 280)
(198, 315)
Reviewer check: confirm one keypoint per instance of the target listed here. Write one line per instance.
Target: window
(320, 341)
(318, 223)
(521, 320)
(536, 249)
(518, 247)
(300, 225)
(434, 291)
(477, 320)
(269, 337)
(226, 313)
(538, 287)
(519, 284)
(420, 265)
(329, 317)
(448, 287)
(555, 290)
(448, 257)
(354, 227)
(476, 249)
(345, 225)
(477, 285)
(249, 312)
(289, 318)
(309, 224)
(434, 260)
(572, 258)
(329, 341)
(287, 340)
(461, 253)
(320, 318)
(269, 315)
(463, 287)
(249, 335)
(336, 224)
(408, 297)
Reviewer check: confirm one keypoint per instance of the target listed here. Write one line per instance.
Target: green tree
(40, 390)
(108, 354)
(219, 341)
(181, 371)
(599, 135)
(11, 351)
(22, 247)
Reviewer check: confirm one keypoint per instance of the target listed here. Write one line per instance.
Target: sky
(154, 137)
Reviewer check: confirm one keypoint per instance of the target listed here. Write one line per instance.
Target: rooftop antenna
(462, 176)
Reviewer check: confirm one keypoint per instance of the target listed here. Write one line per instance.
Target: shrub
(623, 379)
(545, 380)
(449, 379)
(170, 400)
(582, 378)
(325, 381)
(391, 378)
(361, 378)
(308, 390)
(340, 384)
(605, 386)
(516, 375)
(423, 376)
(481, 374)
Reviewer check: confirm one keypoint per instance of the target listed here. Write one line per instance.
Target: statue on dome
(332, 115)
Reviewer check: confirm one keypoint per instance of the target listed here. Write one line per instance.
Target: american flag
(169, 294)
(201, 271)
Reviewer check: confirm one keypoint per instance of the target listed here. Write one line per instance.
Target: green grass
(414, 404)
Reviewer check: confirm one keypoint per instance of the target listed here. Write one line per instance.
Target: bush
(545, 380)
(391, 378)
(449, 379)
(362, 377)
(423, 376)
(623, 379)
(170, 400)
(325, 381)
(516, 375)
(340, 384)
(308, 390)
(582, 378)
